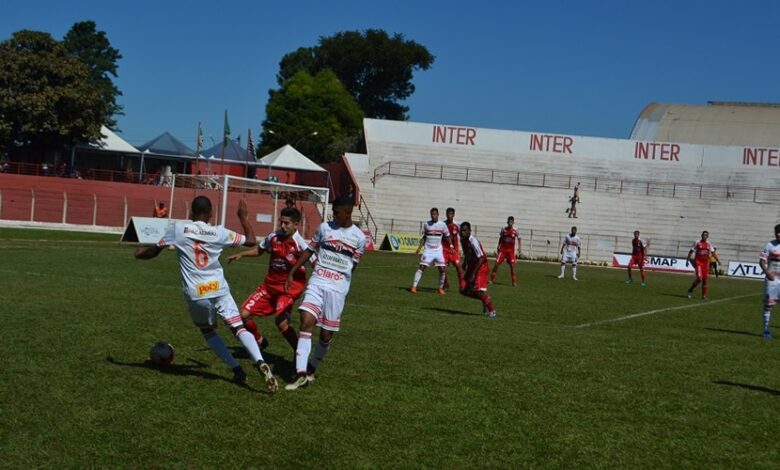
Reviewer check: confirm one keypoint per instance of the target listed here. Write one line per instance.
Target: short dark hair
(343, 201)
(465, 225)
(777, 228)
(293, 213)
(450, 209)
(201, 205)
(511, 218)
(434, 209)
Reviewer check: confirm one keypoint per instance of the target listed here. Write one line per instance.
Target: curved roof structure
(167, 144)
(717, 123)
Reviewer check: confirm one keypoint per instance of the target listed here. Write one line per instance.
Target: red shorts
(480, 279)
(271, 299)
(450, 257)
(702, 269)
(637, 260)
(508, 255)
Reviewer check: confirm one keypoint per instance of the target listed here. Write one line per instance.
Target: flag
(226, 135)
(250, 146)
(200, 138)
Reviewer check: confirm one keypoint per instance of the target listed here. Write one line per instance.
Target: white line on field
(662, 310)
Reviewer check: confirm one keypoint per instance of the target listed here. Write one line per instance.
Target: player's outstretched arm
(301, 261)
(255, 251)
(249, 232)
(147, 252)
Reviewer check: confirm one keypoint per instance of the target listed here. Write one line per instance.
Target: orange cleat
(413, 290)
(442, 292)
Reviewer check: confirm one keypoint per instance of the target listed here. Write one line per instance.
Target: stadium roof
(110, 142)
(167, 144)
(234, 153)
(288, 157)
(717, 123)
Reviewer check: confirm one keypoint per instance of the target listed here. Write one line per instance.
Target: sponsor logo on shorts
(206, 288)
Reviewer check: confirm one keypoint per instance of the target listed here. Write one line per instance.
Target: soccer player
(770, 264)
(638, 252)
(509, 242)
(198, 246)
(701, 263)
(474, 283)
(285, 246)
(570, 253)
(338, 245)
(433, 232)
(453, 257)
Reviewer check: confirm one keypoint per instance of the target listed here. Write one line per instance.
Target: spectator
(351, 192)
(160, 211)
(574, 200)
(62, 170)
(5, 166)
(45, 169)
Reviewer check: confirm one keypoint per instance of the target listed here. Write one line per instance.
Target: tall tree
(94, 49)
(376, 69)
(307, 104)
(47, 100)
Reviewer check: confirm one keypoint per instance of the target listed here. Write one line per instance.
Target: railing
(590, 183)
(365, 214)
(94, 174)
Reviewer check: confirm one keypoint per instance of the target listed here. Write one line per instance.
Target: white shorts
(204, 312)
(429, 258)
(324, 303)
(569, 258)
(772, 291)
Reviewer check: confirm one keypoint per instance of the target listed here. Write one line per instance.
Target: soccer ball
(161, 353)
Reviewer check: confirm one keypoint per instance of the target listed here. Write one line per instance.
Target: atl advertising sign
(745, 269)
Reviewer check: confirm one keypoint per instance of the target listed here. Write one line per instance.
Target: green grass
(411, 381)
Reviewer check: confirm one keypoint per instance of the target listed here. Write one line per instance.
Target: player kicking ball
(338, 245)
(770, 265)
(198, 246)
(476, 268)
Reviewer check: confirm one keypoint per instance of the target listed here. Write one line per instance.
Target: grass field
(411, 381)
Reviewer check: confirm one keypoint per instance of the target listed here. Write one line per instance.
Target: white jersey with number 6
(198, 246)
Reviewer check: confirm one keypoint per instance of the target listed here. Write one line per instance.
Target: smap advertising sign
(745, 269)
(654, 263)
(401, 242)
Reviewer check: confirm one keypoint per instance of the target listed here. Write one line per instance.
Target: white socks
(417, 277)
(303, 351)
(247, 340)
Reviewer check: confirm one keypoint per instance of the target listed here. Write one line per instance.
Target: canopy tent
(110, 142)
(288, 158)
(234, 153)
(166, 144)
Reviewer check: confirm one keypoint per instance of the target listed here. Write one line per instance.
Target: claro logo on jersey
(206, 288)
(328, 274)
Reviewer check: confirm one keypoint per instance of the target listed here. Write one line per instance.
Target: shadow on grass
(420, 290)
(735, 332)
(280, 365)
(679, 296)
(755, 388)
(454, 312)
(191, 370)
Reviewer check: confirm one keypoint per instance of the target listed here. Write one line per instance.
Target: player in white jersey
(338, 245)
(433, 233)
(570, 253)
(770, 264)
(198, 246)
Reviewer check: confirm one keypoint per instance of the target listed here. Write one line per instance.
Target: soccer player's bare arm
(254, 251)
(148, 252)
(249, 232)
(301, 261)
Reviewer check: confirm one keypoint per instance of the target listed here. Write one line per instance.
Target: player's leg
(641, 265)
(574, 269)
(704, 276)
(284, 324)
(259, 303)
(771, 296)
(563, 269)
(458, 270)
(204, 317)
(310, 309)
(630, 262)
(767, 318)
(424, 263)
(323, 346)
(511, 261)
(442, 276)
(499, 260)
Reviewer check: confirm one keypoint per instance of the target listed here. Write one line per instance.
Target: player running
(474, 283)
(338, 245)
(506, 249)
(770, 265)
(452, 257)
(638, 252)
(701, 263)
(570, 253)
(433, 232)
(198, 246)
(285, 246)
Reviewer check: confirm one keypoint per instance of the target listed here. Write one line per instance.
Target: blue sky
(573, 67)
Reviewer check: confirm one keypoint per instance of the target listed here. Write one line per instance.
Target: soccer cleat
(629, 281)
(560, 277)
(704, 298)
(301, 382)
(574, 278)
(514, 284)
(413, 290)
(263, 344)
(442, 291)
(270, 380)
(492, 314)
(643, 284)
(767, 334)
(239, 376)
(690, 295)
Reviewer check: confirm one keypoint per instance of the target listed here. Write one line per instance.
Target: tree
(47, 100)
(94, 49)
(307, 104)
(376, 69)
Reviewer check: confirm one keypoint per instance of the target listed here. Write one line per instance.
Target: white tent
(289, 158)
(111, 142)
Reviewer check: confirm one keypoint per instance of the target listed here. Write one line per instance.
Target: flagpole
(225, 132)
(197, 145)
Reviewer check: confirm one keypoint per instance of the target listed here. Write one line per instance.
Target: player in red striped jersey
(701, 263)
(452, 257)
(475, 277)
(638, 252)
(507, 239)
(770, 265)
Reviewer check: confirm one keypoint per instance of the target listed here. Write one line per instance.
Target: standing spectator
(45, 169)
(574, 200)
